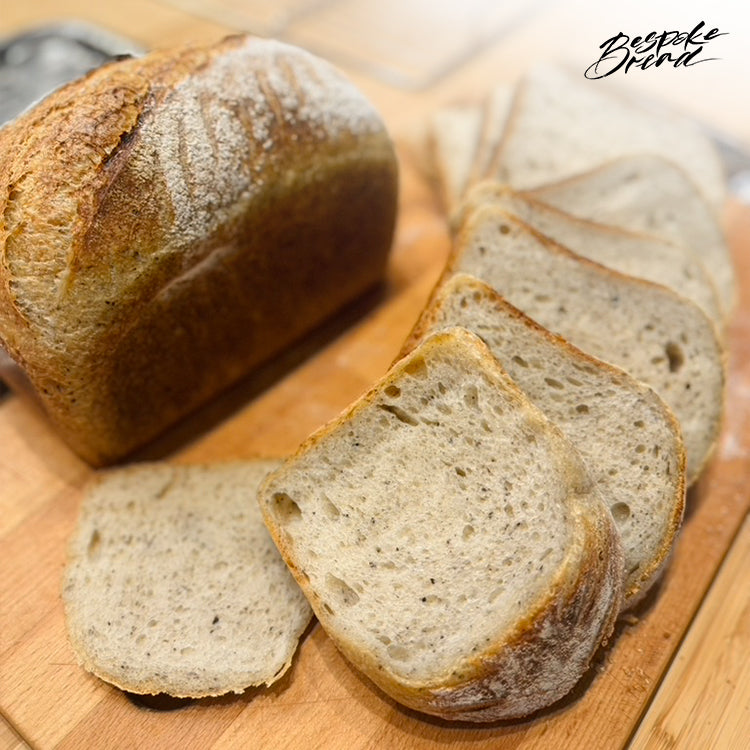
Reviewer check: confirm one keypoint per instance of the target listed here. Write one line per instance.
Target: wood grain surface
(675, 674)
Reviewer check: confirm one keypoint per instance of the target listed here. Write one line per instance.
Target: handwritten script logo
(676, 48)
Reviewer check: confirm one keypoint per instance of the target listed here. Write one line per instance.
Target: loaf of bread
(168, 223)
(653, 334)
(173, 584)
(449, 539)
(629, 440)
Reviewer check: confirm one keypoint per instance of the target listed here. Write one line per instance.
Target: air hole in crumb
(639, 423)
(552, 383)
(471, 397)
(574, 381)
(441, 388)
(94, 543)
(468, 531)
(495, 593)
(640, 448)
(327, 608)
(460, 471)
(620, 512)
(582, 409)
(343, 592)
(399, 653)
(285, 508)
(393, 391)
(520, 361)
(384, 639)
(400, 414)
(330, 509)
(504, 229)
(675, 356)
(417, 368)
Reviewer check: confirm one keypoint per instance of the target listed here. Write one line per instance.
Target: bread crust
(170, 222)
(541, 657)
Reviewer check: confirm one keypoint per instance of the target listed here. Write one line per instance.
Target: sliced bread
(449, 538)
(173, 584)
(629, 440)
(495, 110)
(646, 193)
(453, 135)
(649, 331)
(635, 253)
(560, 125)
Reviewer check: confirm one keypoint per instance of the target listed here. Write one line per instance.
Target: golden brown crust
(170, 222)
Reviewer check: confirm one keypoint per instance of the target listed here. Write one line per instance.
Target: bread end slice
(174, 586)
(449, 538)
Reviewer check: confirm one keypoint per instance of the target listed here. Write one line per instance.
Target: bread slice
(652, 333)
(495, 110)
(449, 538)
(634, 253)
(173, 584)
(453, 134)
(629, 440)
(649, 194)
(560, 125)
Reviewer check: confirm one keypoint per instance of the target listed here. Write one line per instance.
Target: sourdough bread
(647, 330)
(560, 126)
(170, 222)
(495, 110)
(449, 538)
(634, 253)
(173, 584)
(629, 440)
(649, 194)
(453, 134)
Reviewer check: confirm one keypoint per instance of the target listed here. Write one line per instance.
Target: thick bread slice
(652, 333)
(649, 194)
(560, 126)
(173, 584)
(634, 253)
(449, 538)
(629, 440)
(168, 223)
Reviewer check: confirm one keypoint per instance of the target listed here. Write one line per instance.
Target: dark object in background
(38, 61)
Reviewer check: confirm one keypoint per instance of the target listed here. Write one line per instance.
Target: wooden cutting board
(322, 702)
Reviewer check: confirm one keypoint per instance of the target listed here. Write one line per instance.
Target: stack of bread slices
(469, 530)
